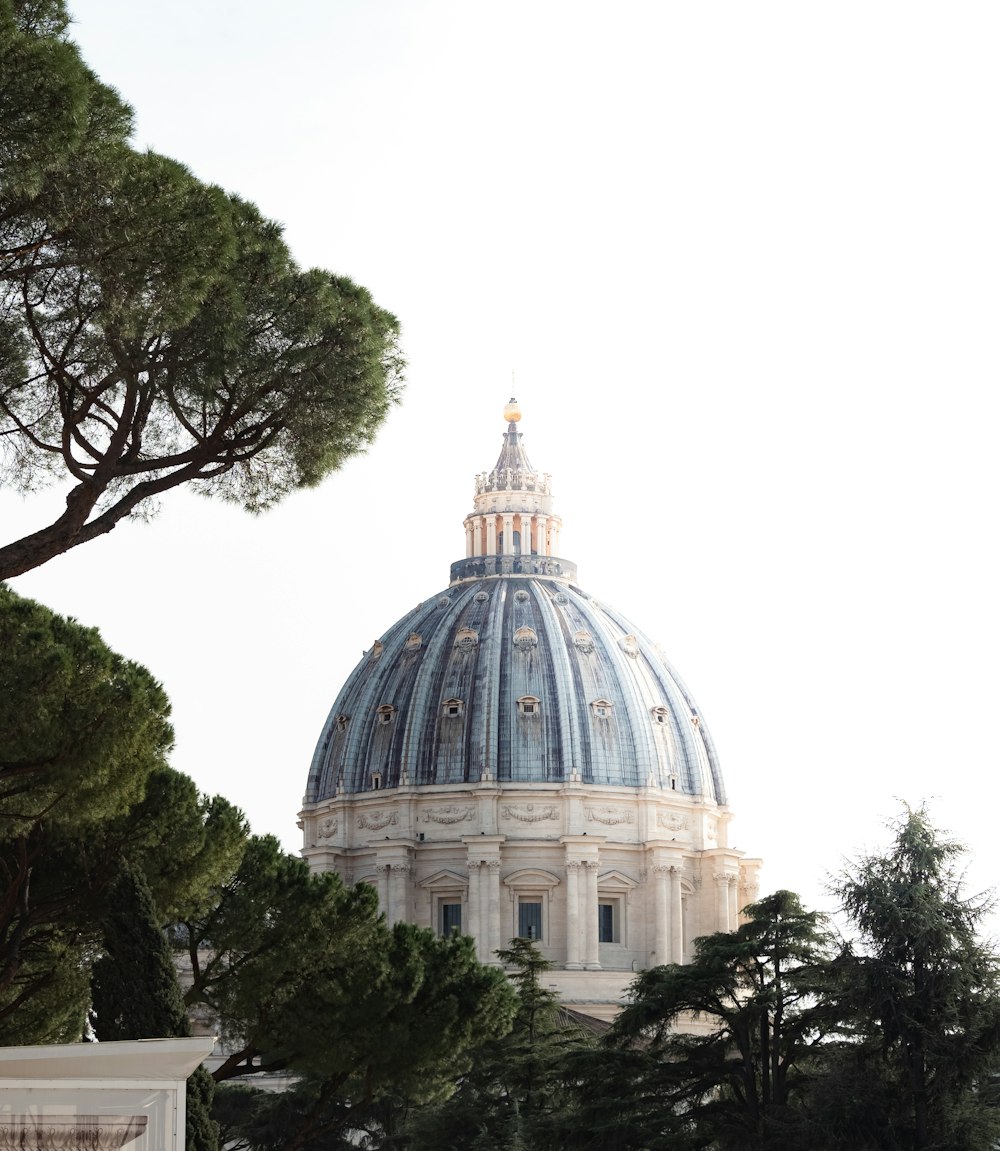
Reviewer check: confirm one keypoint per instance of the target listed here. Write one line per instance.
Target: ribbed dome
(520, 678)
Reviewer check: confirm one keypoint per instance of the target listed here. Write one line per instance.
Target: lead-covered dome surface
(514, 678)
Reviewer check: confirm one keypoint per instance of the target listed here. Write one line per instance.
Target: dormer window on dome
(385, 714)
(413, 641)
(342, 721)
(525, 638)
(630, 646)
(528, 705)
(466, 639)
(452, 708)
(602, 708)
(660, 715)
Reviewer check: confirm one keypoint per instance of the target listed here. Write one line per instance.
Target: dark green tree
(81, 731)
(304, 976)
(135, 993)
(84, 790)
(921, 995)
(155, 331)
(516, 1083)
(753, 1007)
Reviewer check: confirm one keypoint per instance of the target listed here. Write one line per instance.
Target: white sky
(744, 260)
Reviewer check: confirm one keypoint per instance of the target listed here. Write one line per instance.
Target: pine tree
(516, 1083)
(154, 330)
(921, 995)
(739, 1082)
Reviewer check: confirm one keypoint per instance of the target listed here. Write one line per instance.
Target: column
(475, 927)
(493, 897)
(573, 915)
(721, 900)
(540, 535)
(676, 917)
(398, 877)
(591, 961)
(382, 870)
(734, 902)
(661, 914)
(469, 545)
(491, 535)
(508, 535)
(554, 550)
(477, 537)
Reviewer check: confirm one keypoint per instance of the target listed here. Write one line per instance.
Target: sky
(738, 263)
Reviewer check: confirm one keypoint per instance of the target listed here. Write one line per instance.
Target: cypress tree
(135, 994)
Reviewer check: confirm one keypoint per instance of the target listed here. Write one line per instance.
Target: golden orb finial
(512, 413)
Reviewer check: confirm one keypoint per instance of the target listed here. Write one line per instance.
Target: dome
(514, 758)
(518, 677)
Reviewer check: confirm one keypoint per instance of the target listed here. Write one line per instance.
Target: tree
(85, 789)
(737, 1083)
(516, 1082)
(921, 994)
(303, 973)
(81, 730)
(158, 331)
(135, 994)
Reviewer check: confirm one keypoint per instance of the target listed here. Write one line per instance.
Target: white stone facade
(609, 880)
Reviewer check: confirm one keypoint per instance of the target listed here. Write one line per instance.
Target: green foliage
(155, 331)
(135, 994)
(517, 1082)
(134, 987)
(81, 730)
(754, 997)
(889, 1044)
(302, 972)
(84, 791)
(305, 976)
(922, 997)
(186, 844)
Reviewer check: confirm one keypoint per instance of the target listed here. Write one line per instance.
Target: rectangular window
(607, 922)
(451, 918)
(529, 919)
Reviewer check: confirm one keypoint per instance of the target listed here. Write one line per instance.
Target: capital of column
(492, 864)
(400, 867)
(574, 864)
(475, 864)
(382, 867)
(589, 864)
(724, 877)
